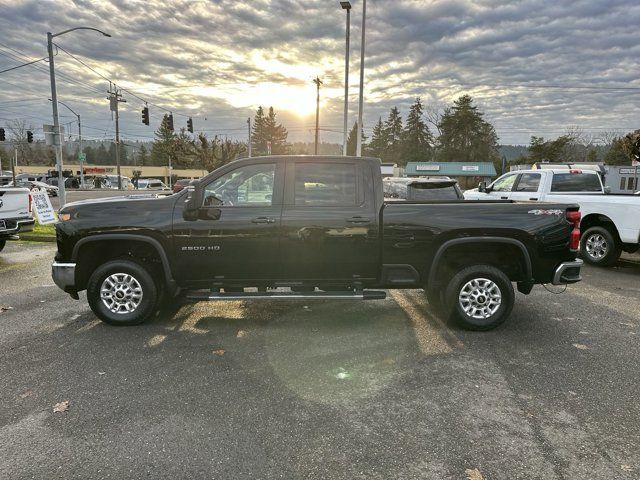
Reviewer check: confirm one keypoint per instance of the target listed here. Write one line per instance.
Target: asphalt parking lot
(353, 390)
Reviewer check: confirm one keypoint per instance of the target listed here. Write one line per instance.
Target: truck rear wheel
(2, 244)
(598, 246)
(480, 297)
(122, 292)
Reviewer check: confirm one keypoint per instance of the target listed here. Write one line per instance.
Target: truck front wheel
(480, 297)
(599, 247)
(122, 292)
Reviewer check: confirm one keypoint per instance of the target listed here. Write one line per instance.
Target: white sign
(50, 136)
(428, 168)
(626, 171)
(470, 168)
(42, 208)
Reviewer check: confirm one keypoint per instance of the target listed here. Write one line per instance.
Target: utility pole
(318, 82)
(346, 6)
(57, 140)
(14, 164)
(249, 144)
(114, 98)
(361, 97)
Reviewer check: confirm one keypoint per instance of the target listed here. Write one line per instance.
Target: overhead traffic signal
(2, 137)
(29, 136)
(190, 125)
(145, 115)
(170, 121)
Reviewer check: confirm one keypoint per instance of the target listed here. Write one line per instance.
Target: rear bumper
(567, 272)
(64, 276)
(16, 225)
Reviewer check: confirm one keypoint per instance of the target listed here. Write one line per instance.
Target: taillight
(575, 171)
(574, 216)
(30, 202)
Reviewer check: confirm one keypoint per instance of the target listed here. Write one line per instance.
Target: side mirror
(192, 204)
(482, 187)
(607, 189)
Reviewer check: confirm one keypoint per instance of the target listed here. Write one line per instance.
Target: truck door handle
(359, 220)
(504, 198)
(533, 199)
(263, 220)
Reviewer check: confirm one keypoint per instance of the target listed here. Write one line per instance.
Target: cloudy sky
(535, 67)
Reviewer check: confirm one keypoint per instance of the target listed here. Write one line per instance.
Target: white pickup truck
(15, 213)
(610, 223)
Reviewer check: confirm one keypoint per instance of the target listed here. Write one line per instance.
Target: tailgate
(14, 203)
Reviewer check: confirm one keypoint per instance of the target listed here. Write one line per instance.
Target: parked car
(151, 184)
(610, 223)
(421, 189)
(181, 184)
(34, 185)
(15, 213)
(318, 225)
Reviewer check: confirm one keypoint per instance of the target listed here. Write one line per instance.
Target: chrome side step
(361, 295)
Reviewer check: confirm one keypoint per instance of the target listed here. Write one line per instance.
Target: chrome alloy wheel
(121, 293)
(597, 246)
(480, 298)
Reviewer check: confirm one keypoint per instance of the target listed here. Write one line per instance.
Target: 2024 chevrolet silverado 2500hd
(610, 223)
(15, 213)
(317, 226)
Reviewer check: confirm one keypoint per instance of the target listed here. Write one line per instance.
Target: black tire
(2, 244)
(476, 284)
(142, 283)
(598, 246)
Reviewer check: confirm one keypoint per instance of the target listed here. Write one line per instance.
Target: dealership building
(468, 174)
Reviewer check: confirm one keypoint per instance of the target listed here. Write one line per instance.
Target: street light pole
(346, 6)
(249, 138)
(79, 141)
(361, 97)
(57, 140)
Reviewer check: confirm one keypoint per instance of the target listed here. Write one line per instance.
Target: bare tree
(18, 129)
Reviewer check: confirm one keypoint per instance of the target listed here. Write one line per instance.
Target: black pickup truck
(309, 227)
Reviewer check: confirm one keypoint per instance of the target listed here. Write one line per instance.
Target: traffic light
(2, 137)
(29, 136)
(170, 121)
(190, 125)
(145, 115)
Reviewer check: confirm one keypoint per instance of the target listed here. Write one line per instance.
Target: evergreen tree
(102, 155)
(259, 134)
(352, 141)
(378, 145)
(276, 134)
(617, 154)
(393, 133)
(143, 156)
(417, 140)
(163, 148)
(465, 136)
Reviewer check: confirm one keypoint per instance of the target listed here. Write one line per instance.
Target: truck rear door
(527, 187)
(329, 221)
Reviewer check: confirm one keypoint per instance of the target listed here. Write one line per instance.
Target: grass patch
(43, 230)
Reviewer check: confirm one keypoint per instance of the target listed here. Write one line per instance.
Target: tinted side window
(575, 182)
(528, 182)
(251, 185)
(325, 184)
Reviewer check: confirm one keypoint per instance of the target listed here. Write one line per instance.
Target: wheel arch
(439, 259)
(599, 220)
(119, 245)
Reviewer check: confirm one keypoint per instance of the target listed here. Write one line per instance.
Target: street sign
(50, 137)
(43, 208)
(82, 157)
